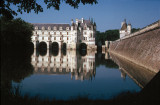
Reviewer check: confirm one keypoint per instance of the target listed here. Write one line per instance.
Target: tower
(129, 27)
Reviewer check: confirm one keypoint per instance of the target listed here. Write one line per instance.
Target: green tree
(109, 35)
(29, 5)
(15, 32)
(135, 30)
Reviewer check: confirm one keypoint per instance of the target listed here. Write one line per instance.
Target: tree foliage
(15, 32)
(109, 35)
(135, 30)
(29, 5)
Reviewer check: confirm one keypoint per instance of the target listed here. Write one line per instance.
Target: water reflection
(140, 75)
(65, 62)
(57, 73)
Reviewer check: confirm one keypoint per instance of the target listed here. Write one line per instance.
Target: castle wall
(142, 48)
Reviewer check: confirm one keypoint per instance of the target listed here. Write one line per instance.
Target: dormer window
(67, 28)
(36, 28)
(60, 28)
(49, 28)
(43, 28)
(54, 28)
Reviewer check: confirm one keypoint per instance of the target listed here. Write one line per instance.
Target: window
(67, 38)
(48, 33)
(43, 28)
(54, 33)
(36, 32)
(67, 33)
(54, 28)
(42, 38)
(49, 28)
(42, 32)
(36, 28)
(90, 34)
(84, 38)
(67, 28)
(54, 38)
(60, 33)
(60, 28)
(60, 38)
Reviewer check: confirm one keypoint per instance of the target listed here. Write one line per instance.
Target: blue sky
(108, 14)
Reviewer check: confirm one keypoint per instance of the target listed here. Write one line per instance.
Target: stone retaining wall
(142, 49)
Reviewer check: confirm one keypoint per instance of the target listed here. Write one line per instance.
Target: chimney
(82, 20)
(77, 21)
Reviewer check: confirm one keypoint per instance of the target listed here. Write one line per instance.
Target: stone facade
(80, 31)
(125, 29)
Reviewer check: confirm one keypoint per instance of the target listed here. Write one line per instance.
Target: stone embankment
(142, 47)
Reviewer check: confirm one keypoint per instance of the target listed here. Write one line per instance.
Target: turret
(76, 21)
(129, 27)
(82, 20)
(123, 22)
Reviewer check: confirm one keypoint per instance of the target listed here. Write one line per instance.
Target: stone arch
(83, 46)
(83, 49)
(42, 48)
(55, 48)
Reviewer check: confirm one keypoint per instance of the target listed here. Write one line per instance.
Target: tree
(135, 30)
(29, 5)
(109, 35)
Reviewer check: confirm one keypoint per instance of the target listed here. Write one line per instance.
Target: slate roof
(40, 25)
(124, 26)
(87, 22)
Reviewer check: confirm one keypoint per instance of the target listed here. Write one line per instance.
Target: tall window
(60, 33)
(67, 38)
(54, 33)
(54, 38)
(49, 28)
(84, 38)
(67, 33)
(48, 33)
(42, 32)
(54, 28)
(43, 28)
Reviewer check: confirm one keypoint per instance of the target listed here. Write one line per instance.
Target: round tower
(129, 28)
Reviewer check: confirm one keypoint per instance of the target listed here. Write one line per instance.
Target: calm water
(69, 75)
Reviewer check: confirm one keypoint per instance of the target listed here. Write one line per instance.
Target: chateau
(125, 29)
(80, 31)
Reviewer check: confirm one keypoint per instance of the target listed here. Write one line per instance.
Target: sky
(108, 14)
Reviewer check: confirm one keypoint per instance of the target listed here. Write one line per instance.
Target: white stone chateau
(80, 31)
(125, 29)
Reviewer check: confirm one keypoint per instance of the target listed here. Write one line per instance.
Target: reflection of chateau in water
(80, 67)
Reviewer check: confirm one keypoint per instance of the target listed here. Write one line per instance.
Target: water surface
(70, 75)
